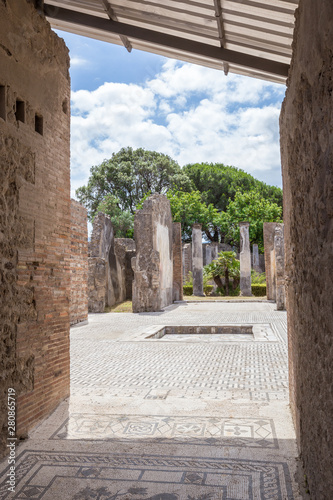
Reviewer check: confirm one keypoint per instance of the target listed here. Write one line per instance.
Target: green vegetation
(226, 268)
(258, 278)
(219, 183)
(214, 195)
(128, 176)
(259, 290)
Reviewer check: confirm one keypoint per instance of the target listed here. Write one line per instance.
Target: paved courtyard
(198, 414)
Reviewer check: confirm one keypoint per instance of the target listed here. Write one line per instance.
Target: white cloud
(192, 113)
(78, 61)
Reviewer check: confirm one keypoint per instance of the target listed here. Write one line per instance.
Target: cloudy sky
(192, 113)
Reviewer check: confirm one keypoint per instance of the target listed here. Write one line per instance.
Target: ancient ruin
(197, 261)
(35, 215)
(78, 310)
(274, 262)
(153, 264)
(110, 274)
(255, 258)
(35, 221)
(177, 261)
(245, 260)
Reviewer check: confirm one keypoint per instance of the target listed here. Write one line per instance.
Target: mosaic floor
(186, 419)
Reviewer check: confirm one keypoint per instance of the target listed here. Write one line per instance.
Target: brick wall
(79, 264)
(34, 214)
(307, 159)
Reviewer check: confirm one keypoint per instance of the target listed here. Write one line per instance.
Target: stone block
(153, 264)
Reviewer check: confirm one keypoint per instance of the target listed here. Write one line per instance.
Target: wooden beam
(110, 12)
(175, 42)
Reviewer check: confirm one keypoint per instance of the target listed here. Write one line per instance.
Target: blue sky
(192, 113)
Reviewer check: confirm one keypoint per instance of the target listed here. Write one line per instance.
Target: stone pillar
(153, 264)
(177, 261)
(214, 250)
(187, 260)
(279, 267)
(245, 260)
(269, 233)
(208, 254)
(255, 261)
(197, 261)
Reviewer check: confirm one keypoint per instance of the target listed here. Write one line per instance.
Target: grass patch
(123, 307)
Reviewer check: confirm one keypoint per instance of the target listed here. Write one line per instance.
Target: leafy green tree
(250, 207)
(122, 220)
(188, 209)
(219, 183)
(226, 267)
(128, 175)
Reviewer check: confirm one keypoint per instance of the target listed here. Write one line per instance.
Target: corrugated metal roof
(248, 37)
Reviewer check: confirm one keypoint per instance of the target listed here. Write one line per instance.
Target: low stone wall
(78, 309)
(153, 264)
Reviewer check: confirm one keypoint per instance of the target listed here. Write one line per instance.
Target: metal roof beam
(110, 12)
(165, 40)
(219, 19)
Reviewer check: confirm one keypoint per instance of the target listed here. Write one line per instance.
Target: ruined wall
(78, 310)
(109, 269)
(34, 214)
(153, 266)
(307, 159)
(125, 251)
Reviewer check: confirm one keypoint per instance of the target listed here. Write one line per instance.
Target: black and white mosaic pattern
(82, 476)
(210, 431)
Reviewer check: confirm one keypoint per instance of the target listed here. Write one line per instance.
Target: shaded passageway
(186, 416)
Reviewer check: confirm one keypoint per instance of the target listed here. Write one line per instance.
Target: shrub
(188, 289)
(258, 278)
(208, 289)
(234, 292)
(258, 290)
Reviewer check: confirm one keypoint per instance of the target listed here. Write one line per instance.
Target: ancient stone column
(279, 267)
(153, 264)
(255, 258)
(197, 262)
(245, 260)
(187, 260)
(214, 250)
(269, 232)
(177, 289)
(208, 254)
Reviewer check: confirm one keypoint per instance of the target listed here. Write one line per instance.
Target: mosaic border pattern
(199, 431)
(141, 477)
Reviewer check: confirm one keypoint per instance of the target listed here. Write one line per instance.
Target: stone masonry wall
(307, 159)
(79, 264)
(108, 266)
(153, 266)
(34, 215)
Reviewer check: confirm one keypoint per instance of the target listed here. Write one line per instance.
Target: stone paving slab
(167, 420)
